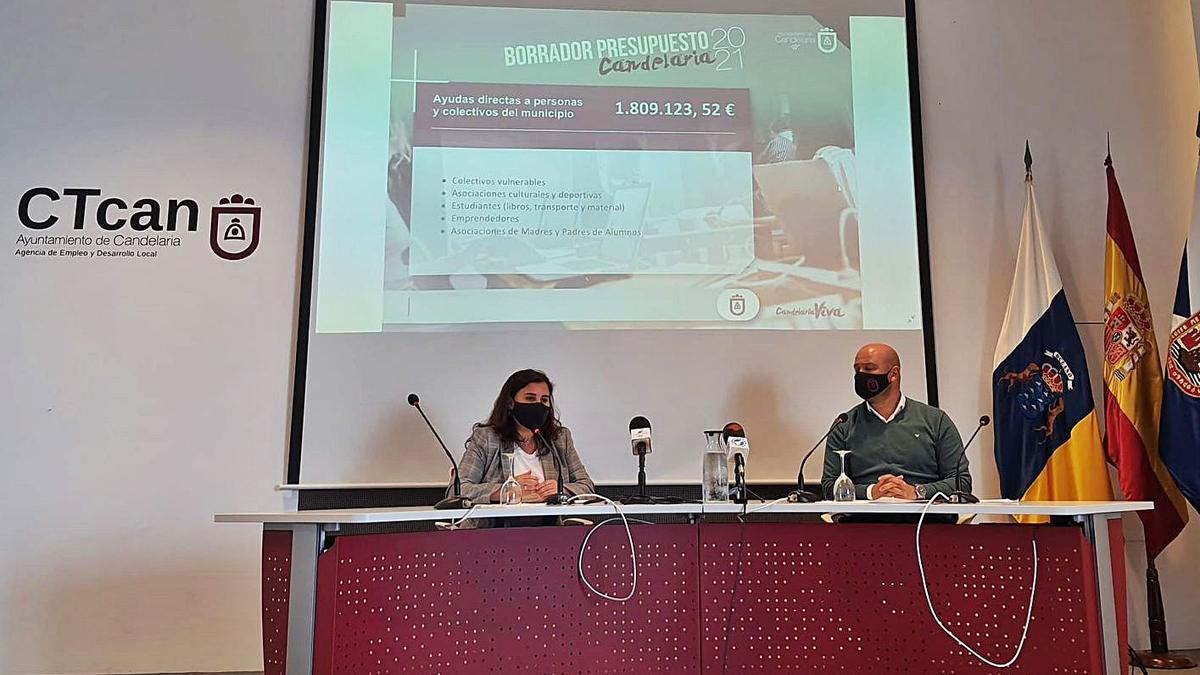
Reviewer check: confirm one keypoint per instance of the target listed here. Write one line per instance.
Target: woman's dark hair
(501, 418)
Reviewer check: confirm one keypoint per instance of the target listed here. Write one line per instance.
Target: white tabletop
(423, 513)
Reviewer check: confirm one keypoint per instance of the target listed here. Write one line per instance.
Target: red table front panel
(847, 598)
(814, 598)
(507, 600)
(276, 588)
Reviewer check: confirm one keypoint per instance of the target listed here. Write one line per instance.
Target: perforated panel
(276, 584)
(848, 599)
(510, 600)
(810, 597)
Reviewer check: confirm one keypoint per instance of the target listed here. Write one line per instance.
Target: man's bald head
(876, 358)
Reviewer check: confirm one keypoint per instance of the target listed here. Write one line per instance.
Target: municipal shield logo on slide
(1183, 356)
(1126, 323)
(827, 40)
(737, 304)
(235, 227)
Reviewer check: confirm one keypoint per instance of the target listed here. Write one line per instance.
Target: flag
(1179, 433)
(1133, 383)
(1047, 433)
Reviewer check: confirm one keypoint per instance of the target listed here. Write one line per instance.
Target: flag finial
(1028, 162)
(1108, 149)
(1197, 125)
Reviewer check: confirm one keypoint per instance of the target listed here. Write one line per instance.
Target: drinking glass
(510, 491)
(843, 487)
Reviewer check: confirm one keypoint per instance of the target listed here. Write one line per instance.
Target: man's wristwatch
(920, 491)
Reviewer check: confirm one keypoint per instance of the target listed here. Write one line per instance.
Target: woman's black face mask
(531, 415)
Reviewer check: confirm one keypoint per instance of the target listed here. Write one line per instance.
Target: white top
(524, 462)
(889, 418)
(422, 513)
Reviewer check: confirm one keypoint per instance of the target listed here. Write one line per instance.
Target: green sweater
(920, 443)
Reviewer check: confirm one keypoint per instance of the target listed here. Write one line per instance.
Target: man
(898, 447)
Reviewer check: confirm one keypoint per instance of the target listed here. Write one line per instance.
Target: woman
(522, 422)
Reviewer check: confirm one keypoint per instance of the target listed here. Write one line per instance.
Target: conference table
(762, 587)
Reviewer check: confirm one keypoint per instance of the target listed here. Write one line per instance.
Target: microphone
(639, 439)
(457, 501)
(561, 497)
(735, 439)
(800, 494)
(639, 435)
(959, 496)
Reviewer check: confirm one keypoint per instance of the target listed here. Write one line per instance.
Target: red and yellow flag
(1133, 383)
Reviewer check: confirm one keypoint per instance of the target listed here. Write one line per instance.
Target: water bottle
(715, 470)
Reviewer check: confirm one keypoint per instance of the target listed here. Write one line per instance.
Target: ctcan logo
(122, 225)
(230, 221)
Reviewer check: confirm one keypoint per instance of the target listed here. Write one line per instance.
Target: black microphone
(562, 496)
(739, 447)
(800, 494)
(959, 496)
(457, 501)
(639, 439)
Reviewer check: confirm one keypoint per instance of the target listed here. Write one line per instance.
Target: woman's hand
(539, 492)
(547, 489)
(527, 480)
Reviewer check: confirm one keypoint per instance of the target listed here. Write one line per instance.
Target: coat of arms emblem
(1127, 331)
(1039, 389)
(1183, 356)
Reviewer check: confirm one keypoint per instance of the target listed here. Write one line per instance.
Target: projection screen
(691, 211)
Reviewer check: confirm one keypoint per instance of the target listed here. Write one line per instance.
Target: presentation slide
(585, 167)
(574, 185)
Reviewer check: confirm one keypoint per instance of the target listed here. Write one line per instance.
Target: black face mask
(531, 415)
(870, 385)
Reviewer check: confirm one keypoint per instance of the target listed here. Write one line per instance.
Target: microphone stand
(641, 497)
(959, 496)
(457, 501)
(642, 475)
(741, 495)
(561, 498)
(800, 495)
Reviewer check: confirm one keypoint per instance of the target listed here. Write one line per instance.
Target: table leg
(307, 540)
(1095, 527)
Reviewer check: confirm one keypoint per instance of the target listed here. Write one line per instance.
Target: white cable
(761, 507)
(583, 548)
(455, 523)
(925, 586)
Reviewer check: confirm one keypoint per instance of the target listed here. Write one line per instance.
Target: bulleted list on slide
(559, 180)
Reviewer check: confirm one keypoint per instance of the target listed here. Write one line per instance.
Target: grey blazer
(481, 473)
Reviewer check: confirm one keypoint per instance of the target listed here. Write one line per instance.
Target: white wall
(110, 562)
(138, 397)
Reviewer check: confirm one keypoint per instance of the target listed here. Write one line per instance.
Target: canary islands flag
(1179, 432)
(1047, 437)
(1133, 382)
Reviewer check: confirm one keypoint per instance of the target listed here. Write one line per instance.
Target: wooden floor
(1194, 653)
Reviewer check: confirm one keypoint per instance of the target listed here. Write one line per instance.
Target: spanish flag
(1133, 382)
(1047, 434)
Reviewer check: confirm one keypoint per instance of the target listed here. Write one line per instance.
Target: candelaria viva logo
(115, 227)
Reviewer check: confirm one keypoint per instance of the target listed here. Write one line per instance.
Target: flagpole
(1159, 655)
